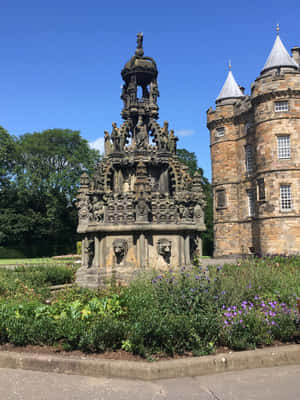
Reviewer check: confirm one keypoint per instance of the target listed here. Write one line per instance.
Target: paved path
(278, 383)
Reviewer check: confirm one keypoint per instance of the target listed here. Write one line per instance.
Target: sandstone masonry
(255, 152)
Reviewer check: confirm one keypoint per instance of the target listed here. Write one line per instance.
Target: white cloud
(98, 144)
(185, 132)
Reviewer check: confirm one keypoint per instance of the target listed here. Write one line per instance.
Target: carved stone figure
(141, 137)
(84, 208)
(198, 214)
(132, 88)
(164, 137)
(98, 210)
(154, 92)
(172, 142)
(142, 210)
(115, 137)
(120, 249)
(124, 95)
(90, 251)
(107, 143)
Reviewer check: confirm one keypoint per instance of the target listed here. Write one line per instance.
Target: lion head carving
(164, 247)
(120, 248)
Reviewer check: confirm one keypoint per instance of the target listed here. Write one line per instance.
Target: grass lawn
(37, 261)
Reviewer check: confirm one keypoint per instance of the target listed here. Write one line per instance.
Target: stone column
(84, 255)
(181, 255)
(187, 254)
(142, 250)
(96, 261)
(102, 251)
(199, 246)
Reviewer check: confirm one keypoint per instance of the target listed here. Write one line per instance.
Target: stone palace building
(255, 152)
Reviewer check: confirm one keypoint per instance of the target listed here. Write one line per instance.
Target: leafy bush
(190, 310)
(31, 282)
(172, 313)
(6, 252)
(103, 333)
(78, 247)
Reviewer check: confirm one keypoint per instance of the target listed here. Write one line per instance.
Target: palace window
(261, 189)
(281, 106)
(221, 198)
(283, 147)
(220, 131)
(251, 202)
(285, 197)
(249, 158)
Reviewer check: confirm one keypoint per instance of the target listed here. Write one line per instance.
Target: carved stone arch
(179, 175)
(173, 176)
(108, 176)
(125, 128)
(155, 130)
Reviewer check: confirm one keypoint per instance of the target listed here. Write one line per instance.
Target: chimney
(296, 54)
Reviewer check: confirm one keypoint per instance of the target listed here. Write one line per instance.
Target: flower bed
(192, 311)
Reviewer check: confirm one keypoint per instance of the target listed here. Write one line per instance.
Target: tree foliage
(53, 160)
(7, 157)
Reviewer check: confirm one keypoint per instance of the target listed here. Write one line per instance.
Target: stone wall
(253, 121)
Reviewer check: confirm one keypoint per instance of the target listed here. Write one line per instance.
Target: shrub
(10, 253)
(191, 310)
(103, 333)
(172, 313)
(79, 247)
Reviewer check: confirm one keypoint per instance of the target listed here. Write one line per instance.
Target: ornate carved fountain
(140, 209)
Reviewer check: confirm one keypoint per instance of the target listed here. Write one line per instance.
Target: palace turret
(255, 151)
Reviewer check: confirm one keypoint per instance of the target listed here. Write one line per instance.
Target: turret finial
(277, 29)
(229, 65)
(139, 45)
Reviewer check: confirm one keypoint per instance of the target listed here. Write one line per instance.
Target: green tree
(53, 160)
(40, 214)
(189, 158)
(7, 157)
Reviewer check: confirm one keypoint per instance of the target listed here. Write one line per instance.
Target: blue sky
(61, 60)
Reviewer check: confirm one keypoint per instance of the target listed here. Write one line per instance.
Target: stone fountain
(141, 209)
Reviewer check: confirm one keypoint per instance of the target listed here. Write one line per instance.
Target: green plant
(78, 247)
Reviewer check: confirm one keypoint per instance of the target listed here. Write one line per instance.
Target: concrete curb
(188, 367)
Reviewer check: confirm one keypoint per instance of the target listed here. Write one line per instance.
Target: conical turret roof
(230, 89)
(279, 57)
